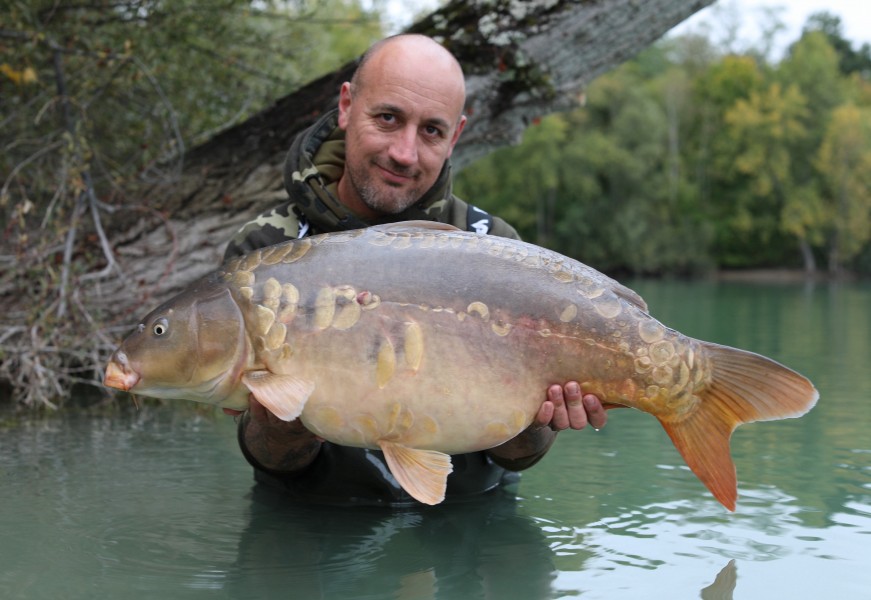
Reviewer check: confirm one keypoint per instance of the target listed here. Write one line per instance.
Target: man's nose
(403, 148)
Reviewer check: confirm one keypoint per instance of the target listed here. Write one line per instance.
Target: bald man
(384, 156)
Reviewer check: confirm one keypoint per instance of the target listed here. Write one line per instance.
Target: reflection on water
(475, 550)
(159, 503)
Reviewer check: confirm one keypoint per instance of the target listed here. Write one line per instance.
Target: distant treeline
(689, 158)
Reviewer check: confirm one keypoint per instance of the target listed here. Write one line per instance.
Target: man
(383, 156)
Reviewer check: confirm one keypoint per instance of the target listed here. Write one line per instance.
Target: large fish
(425, 341)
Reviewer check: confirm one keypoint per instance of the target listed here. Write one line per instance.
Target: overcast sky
(855, 16)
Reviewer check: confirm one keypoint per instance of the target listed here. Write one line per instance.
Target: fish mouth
(120, 378)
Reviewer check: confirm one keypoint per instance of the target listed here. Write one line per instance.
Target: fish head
(191, 347)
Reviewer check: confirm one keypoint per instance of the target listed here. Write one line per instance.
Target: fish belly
(428, 381)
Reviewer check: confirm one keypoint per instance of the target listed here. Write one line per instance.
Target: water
(158, 503)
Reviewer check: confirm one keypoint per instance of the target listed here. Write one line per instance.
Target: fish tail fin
(744, 387)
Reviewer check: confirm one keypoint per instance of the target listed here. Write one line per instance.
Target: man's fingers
(545, 414)
(572, 408)
(595, 412)
(577, 413)
(560, 418)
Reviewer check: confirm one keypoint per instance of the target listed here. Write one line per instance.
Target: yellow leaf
(26, 75)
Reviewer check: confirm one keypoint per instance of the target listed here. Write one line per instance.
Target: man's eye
(388, 118)
(433, 131)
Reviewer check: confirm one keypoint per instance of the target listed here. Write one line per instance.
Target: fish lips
(120, 377)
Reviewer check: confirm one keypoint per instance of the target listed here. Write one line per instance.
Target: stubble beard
(383, 198)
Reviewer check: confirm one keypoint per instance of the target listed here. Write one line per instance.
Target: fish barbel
(423, 341)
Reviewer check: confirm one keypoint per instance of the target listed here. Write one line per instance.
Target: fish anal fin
(282, 395)
(743, 387)
(703, 441)
(421, 473)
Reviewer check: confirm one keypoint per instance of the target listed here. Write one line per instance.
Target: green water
(159, 504)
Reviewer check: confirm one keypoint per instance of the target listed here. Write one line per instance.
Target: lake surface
(158, 503)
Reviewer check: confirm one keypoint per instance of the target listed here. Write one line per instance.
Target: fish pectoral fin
(282, 395)
(421, 473)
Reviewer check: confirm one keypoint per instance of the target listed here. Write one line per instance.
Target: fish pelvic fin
(282, 395)
(421, 473)
(744, 387)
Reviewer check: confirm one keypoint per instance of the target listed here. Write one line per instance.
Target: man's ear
(460, 125)
(344, 104)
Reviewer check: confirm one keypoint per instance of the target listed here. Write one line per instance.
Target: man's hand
(566, 407)
(275, 445)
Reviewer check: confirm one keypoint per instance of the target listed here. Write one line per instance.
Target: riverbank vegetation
(691, 158)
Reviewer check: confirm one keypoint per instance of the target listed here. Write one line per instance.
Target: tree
(522, 60)
(765, 130)
(850, 60)
(844, 160)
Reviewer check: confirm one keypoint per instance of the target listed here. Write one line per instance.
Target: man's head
(402, 113)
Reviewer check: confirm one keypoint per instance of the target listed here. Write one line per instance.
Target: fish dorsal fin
(414, 226)
(630, 296)
(282, 395)
(421, 473)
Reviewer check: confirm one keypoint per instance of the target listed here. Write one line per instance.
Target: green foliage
(850, 59)
(687, 158)
(121, 89)
(844, 163)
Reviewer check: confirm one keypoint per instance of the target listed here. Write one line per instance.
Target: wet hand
(568, 407)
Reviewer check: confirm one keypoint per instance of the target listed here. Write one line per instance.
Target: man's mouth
(396, 176)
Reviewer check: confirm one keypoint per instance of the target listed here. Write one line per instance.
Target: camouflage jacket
(313, 167)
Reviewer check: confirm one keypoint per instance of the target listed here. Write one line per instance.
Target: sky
(855, 17)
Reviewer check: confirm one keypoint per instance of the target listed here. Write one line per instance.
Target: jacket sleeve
(277, 225)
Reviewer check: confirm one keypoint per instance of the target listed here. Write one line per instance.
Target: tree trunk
(807, 257)
(522, 60)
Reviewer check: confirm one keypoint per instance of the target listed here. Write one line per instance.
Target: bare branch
(104, 242)
(20, 166)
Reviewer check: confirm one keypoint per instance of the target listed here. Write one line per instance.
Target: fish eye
(160, 327)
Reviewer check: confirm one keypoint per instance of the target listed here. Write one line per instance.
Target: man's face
(401, 125)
